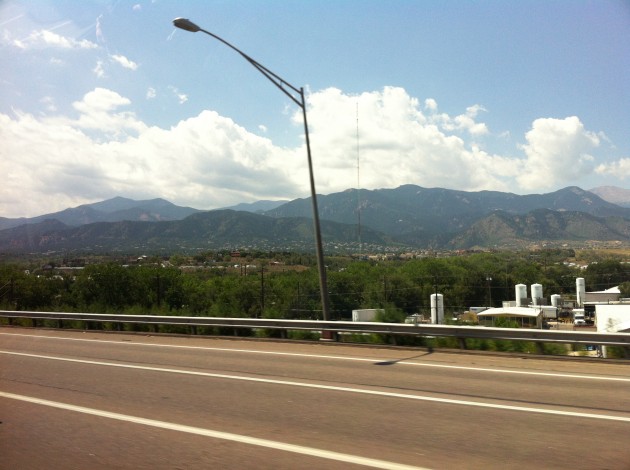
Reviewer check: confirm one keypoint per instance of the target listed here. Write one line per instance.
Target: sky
(103, 98)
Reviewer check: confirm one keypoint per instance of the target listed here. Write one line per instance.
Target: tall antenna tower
(359, 187)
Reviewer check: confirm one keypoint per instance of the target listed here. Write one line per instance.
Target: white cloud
(99, 112)
(124, 61)
(208, 161)
(473, 111)
(137, 7)
(557, 151)
(463, 122)
(151, 93)
(49, 103)
(45, 38)
(98, 69)
(181, 97)
(100, 37)
(100, 99)
(430, 104)
(619, 168)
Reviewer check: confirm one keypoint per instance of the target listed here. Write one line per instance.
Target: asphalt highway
(89, 400)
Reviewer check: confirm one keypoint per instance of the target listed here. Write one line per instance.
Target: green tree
(105, 286)
(624, 288)
(605, 274)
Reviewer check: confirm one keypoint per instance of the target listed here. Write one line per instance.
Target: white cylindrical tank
(537, 293)
(437, 308)
(521, 294)
(556, 300)
(580, 288)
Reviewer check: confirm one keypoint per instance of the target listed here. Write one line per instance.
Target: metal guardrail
(453, 331)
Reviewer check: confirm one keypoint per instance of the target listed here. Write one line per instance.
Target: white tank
(521, 294)
(437, 308)
(580, 288)
(556, 300)
(537, 293)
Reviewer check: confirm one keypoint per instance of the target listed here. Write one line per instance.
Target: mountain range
(409, 217)
(111, 210)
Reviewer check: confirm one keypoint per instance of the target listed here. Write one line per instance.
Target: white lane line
(332, 388)
(340, 358)
(324, 454)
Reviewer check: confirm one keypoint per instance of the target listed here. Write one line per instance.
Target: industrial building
(603, 309)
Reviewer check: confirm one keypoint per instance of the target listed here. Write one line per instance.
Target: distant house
(526, 317)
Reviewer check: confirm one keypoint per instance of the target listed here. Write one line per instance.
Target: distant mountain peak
(613, 194)
(258, 206)
(111, 210)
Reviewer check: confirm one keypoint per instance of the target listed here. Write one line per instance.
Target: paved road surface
(88, 400)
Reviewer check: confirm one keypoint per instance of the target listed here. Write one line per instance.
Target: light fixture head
(185, 24)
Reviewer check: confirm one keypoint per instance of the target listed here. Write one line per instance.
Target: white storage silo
(580, 288)
(521, 294)
(556, 300)
(437, 308)
(537, 294)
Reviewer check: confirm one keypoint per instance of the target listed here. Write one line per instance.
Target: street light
(489, 280)
(297, 96)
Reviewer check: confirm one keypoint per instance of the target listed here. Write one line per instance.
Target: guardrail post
(329, 335)
(540, 347)
(462, 342)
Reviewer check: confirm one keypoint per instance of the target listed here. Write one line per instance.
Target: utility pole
(262, 290)
(299, 303)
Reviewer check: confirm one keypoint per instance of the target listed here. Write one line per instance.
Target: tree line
(272, 286)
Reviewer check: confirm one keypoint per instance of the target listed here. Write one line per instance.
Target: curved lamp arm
(278, 81)
(293, 94)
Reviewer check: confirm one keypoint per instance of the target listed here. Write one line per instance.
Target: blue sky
(106, 98)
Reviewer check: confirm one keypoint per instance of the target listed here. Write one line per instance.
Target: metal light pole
(489, 281)
(297, 96)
